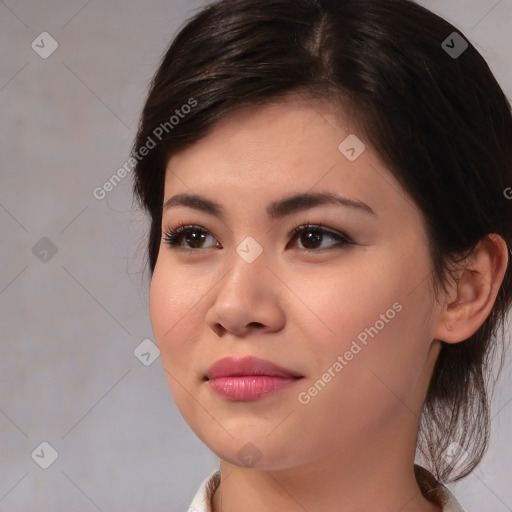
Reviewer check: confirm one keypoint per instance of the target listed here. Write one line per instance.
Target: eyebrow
(275, 210)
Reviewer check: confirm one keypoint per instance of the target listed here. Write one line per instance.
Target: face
(343, 303)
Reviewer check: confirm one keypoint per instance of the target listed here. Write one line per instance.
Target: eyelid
(321, 227)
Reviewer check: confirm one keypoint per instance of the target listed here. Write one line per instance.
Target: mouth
(248, 378)
(248, 366)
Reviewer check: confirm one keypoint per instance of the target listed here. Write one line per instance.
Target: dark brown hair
(439, 121)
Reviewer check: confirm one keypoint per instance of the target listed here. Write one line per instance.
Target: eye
(310, 236)
(194, 236)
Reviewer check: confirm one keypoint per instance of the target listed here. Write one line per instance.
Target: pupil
(195, 237)
(311, 237)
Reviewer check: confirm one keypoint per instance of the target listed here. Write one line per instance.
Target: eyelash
(173, 236)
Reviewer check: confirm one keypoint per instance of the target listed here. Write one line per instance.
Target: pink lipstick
(248, 378)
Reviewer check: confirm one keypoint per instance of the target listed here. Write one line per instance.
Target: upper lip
(231, 367)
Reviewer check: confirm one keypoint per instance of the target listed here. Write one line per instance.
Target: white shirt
(430, 488)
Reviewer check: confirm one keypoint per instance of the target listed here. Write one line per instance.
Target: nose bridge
(245, 296)
(248, 265)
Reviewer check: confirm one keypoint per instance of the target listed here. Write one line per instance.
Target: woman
(329, 249)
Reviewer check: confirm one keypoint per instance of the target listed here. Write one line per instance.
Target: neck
(373, 478)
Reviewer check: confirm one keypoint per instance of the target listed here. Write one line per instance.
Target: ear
(471, 298)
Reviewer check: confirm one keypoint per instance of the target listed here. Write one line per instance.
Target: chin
(253, 453)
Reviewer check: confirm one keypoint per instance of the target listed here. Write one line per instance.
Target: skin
(352, 446)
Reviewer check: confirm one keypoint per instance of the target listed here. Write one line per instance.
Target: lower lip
(249, 387)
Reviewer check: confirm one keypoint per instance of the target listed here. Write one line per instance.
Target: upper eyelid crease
(276, 210)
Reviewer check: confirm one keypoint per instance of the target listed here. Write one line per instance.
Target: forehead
(294, 145)
(292, 131)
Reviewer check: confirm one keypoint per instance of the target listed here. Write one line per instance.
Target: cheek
(340, 302)
(374, 319)
(161, 306)
(174, 313)
(172, 298)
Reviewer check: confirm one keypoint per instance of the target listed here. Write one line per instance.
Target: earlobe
(472, 295)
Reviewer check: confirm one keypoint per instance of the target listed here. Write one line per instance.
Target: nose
(247, 299)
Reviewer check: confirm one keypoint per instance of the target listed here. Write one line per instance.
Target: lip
(248, 378)
(231, 367)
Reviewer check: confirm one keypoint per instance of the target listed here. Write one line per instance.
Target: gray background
(71, 321)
